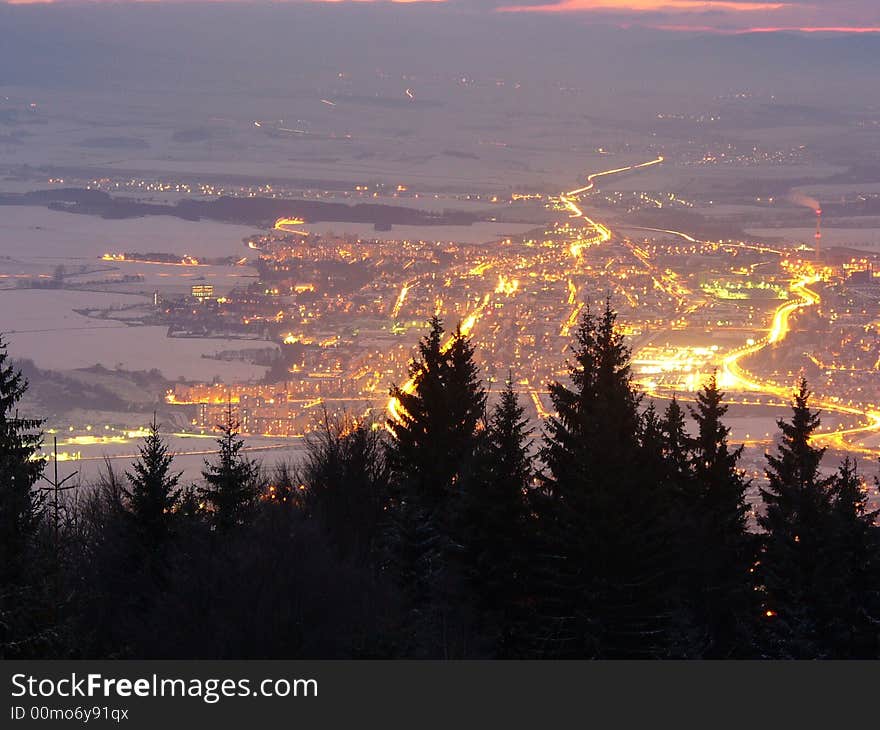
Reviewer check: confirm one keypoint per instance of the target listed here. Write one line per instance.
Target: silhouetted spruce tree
(421, 423)
(722, 548)
(652, 437)
(676, 442)
(607, 553)
(677, 491)
(663, 443)
(419, 457)
(21, 505)
(855, 544)
(23, 623)
(153, 492)
(430, 453)
(345, 485)
(796, 562)
(496, 517)
(231, 483)
(466, 397)
(437, 415)
(110, 590)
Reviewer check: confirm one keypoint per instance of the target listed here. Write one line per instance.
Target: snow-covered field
(41, 325)
(36, 234)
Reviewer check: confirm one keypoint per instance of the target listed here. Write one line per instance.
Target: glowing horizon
(769, 29)
(723, 17)
(645, 6)
(220, 2)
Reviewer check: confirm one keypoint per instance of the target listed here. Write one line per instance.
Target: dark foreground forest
(444, 533)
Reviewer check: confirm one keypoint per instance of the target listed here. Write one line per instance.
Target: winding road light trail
(401, 298)
(691, 239)
(734, 374)
(591, 179)
(571, 198)
(287, 225)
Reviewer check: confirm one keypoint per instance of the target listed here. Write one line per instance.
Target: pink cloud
(170, 2)
(814, 29)
(645, 6)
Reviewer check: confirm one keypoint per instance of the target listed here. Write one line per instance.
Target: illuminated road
(721, 244)
(591, 179)
(288, 225)
(733, 375)
(571, 199)
(401, 298)
(186, 260)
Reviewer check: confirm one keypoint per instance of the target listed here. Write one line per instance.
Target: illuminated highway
(721, 244)
(401, 298)
(571, 199)
(288, 225)
(734, 376)
(592, 178)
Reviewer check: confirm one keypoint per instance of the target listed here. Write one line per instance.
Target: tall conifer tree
(677, 442)
(345, 485)
(855, 545)
(431, 457)
(722, 548)
(26, 620)
(796, 562)
(496, 517)
(21, 504)
(604, 523)
(231, 483)
(153, 491)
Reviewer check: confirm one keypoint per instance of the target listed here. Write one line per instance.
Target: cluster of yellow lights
(480, 269)
(187, 260)
(292, 339)
(601, 234)
(224, 398)
(506, 286)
